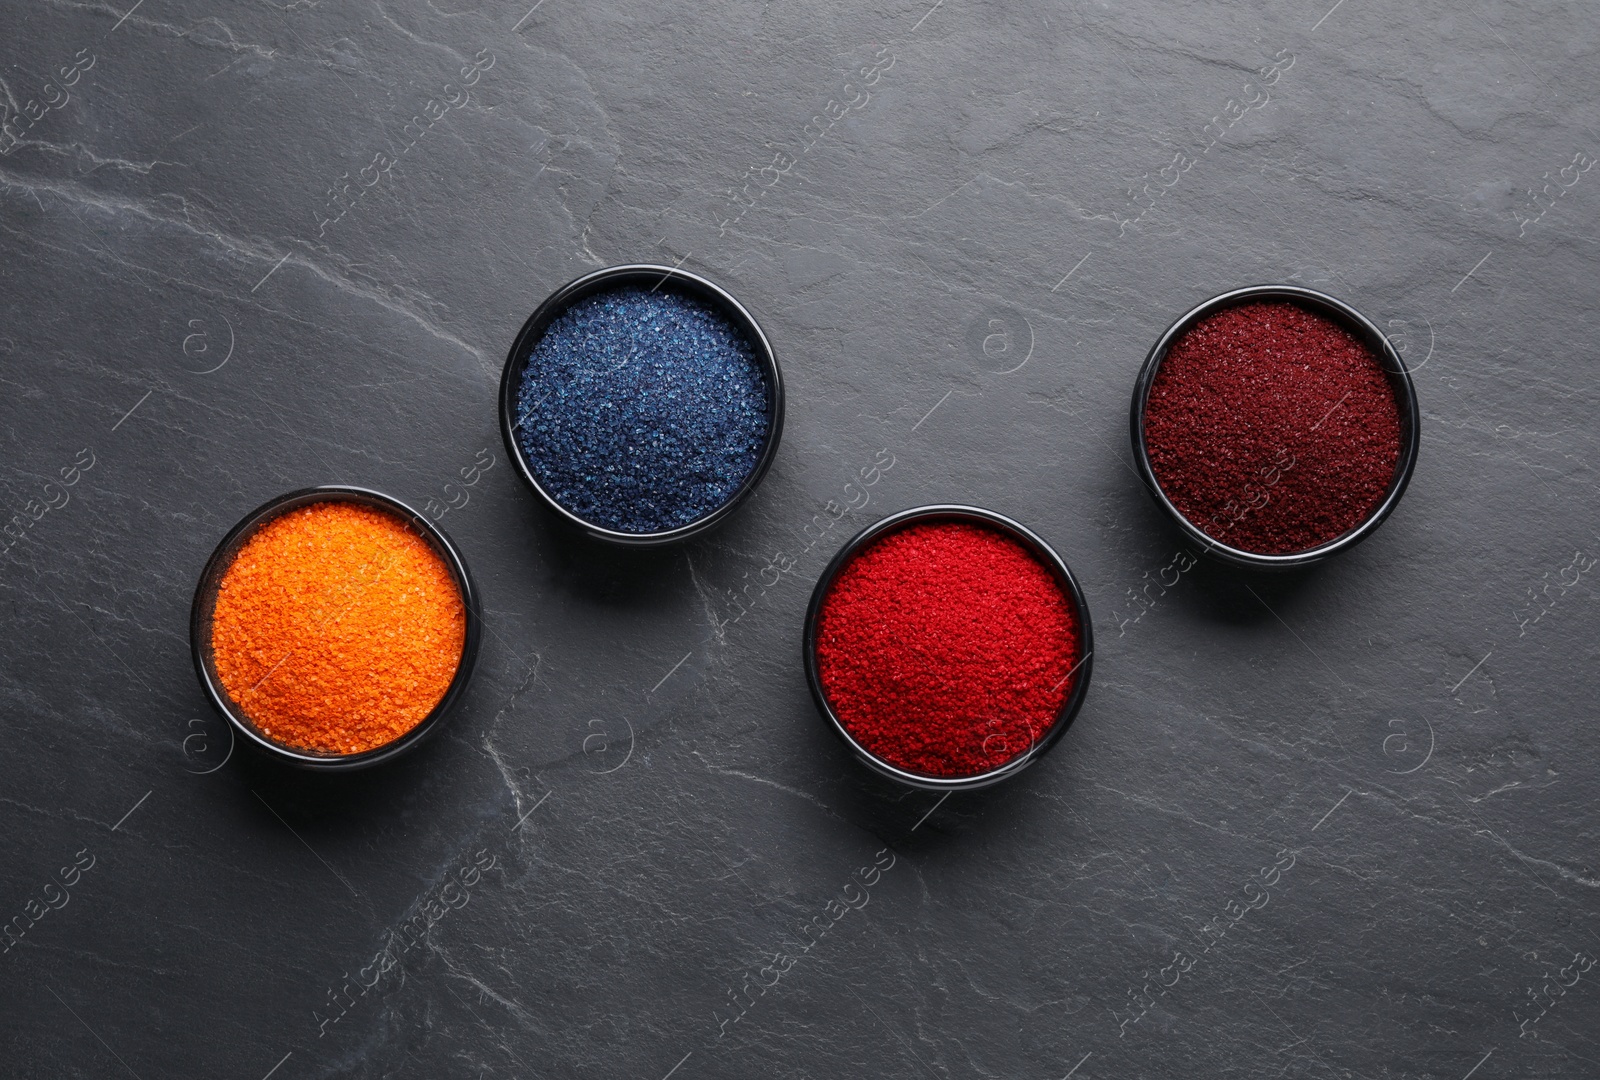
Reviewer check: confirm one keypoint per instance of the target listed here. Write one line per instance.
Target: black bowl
(653, 276)
(205, 601)
(1399, 381)
(1035, 546)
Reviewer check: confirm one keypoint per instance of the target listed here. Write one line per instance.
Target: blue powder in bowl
(642, 411)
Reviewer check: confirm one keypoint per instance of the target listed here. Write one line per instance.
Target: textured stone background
(1412, 725)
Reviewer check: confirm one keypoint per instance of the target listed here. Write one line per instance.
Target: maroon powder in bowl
(1273, 429)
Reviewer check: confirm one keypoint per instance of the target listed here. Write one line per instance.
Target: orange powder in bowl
(337, 629)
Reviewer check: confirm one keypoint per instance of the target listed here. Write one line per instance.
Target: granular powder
(946, 648)
(643, 410)
(337, 628)
(1273, 429)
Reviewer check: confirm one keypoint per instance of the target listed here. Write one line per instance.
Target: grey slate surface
(1412, 726)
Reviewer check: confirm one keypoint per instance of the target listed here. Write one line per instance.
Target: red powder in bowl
(946, 648)
(1271, 428)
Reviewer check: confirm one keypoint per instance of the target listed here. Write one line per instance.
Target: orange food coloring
(337, 628)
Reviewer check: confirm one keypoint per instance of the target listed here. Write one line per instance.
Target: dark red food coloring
(947, 648)
(1273, 429)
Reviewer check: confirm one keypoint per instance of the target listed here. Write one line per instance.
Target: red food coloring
(946, 648)
(1272, 428)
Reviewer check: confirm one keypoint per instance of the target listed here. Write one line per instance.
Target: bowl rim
(1389, 360)
(228, 549)
(598, 281)
(1036, 546)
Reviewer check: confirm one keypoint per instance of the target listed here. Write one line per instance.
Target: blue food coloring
(642, 411)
